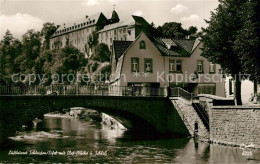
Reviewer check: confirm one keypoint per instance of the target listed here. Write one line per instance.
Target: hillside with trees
(32, 55)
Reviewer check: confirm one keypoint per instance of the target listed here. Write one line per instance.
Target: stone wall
(190, 117)
(233, 125)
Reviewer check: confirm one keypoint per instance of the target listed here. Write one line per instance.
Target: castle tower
(114, 17)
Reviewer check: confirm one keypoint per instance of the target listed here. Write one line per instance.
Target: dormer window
(169, 44)
(142, 45)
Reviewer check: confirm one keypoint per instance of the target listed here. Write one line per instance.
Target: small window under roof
(169, 43)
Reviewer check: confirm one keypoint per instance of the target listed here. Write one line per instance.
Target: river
(67, 139)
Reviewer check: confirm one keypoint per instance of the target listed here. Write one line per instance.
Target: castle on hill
(78, 33)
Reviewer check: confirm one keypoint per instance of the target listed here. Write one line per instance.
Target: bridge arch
(156, 113)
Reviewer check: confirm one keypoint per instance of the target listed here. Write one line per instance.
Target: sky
(20, 15)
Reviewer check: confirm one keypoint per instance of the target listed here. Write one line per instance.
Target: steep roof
(120, 47)
(133, 20)
(78, 24)
(114, 15)
(139, 20)
(183, 49)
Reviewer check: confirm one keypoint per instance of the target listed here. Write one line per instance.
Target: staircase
(191, 112)
(202, 114)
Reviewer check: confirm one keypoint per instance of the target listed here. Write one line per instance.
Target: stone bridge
(140, 113)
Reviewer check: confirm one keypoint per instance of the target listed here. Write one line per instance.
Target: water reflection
(70, 134)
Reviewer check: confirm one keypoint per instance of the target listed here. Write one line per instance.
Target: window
(114, 32)
(200, 66)
(129, 32)
(172, 65)
(207, 89)
(111, 40)
(178, 65)
(212, 68)
(148, 65)
(175, 66)
(134, 64)
(142, 45)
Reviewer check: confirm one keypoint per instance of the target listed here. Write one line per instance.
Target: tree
(47, 30)
(5, 52)
(219, 40)
(102, 53)
(192, 32)
(173, 30)
(31, 50)
(92, 40)
(248, 41)
(68, 60)
(10, 49)
(45, 57)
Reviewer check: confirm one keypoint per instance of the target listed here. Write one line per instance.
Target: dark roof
(120, 47)
(114, 15)
(140, 20)
(183, 49)
(78, 24)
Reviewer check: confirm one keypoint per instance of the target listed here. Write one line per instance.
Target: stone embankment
(235, 125)
(190, 118)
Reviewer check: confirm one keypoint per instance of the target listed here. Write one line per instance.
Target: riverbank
(68, 134)
(89, 115)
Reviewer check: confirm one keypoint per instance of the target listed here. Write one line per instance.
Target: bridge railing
(179, 92)
(78, 89)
